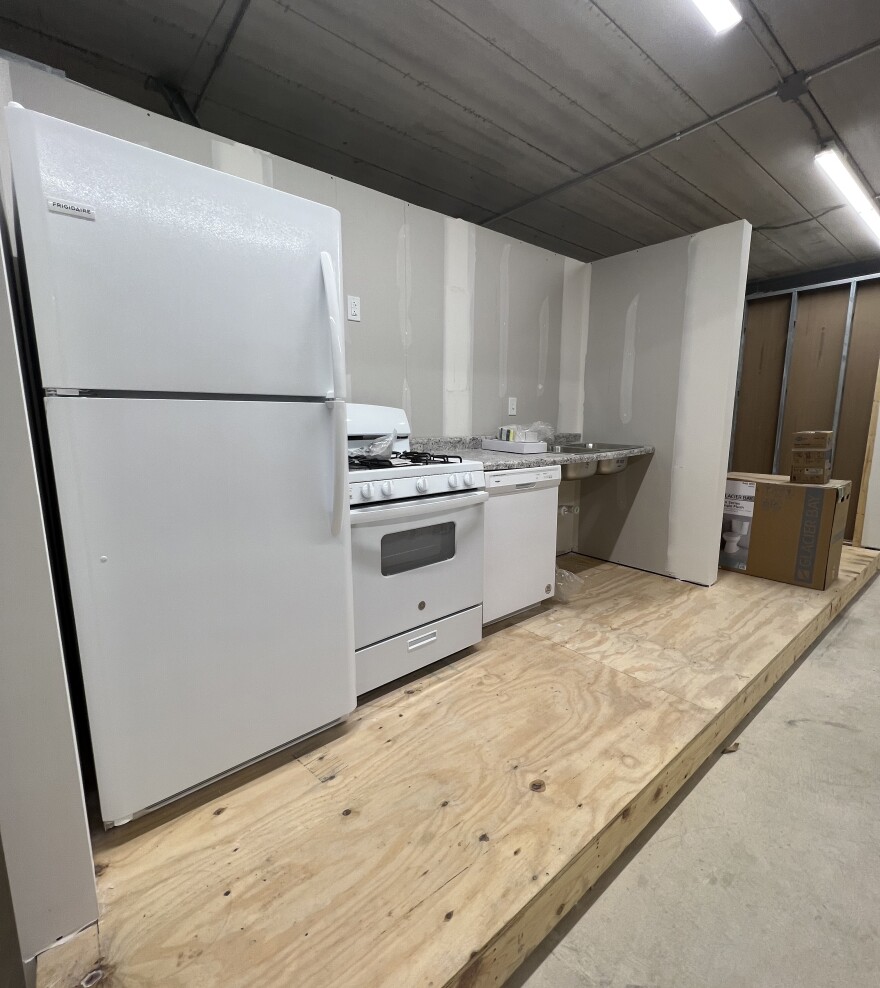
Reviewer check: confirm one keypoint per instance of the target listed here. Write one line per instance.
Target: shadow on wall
(605, 503)
(11, 970)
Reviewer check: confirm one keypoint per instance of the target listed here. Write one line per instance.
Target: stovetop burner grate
(417, 456)
(368, 463)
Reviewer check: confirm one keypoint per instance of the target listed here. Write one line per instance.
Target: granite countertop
(468, 448)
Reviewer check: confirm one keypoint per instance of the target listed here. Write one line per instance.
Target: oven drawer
(398, 656)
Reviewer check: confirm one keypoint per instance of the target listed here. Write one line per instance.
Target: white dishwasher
(519, 549)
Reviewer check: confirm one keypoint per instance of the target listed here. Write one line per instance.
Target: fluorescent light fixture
(721, 14)
(831, 160)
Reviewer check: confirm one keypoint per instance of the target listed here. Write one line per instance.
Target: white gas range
(417, 550)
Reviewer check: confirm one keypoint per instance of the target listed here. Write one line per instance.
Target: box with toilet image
(791, 533)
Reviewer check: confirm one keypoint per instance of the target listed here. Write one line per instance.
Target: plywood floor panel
(440, 834)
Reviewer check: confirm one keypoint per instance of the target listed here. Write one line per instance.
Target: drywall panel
(298, 180)
(517, 319)
(858, 392)
(421, 319)
(664, 328)
(459, 260)
(373, 244)
(760, 384)
(573, 343)
(717, 267)
(42, 812)
(636, 325)
(815, 365)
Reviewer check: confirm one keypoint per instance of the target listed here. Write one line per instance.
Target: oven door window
(417, 547)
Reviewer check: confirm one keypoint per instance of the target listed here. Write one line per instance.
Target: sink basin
(577, 471)
(593, 448)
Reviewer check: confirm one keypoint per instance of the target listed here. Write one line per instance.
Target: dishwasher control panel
(524, 478)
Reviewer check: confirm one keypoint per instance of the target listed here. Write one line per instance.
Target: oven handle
(404, 510)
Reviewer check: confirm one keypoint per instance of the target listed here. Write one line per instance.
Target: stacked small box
(811, 457)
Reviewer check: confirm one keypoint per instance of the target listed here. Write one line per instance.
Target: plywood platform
(438, 837)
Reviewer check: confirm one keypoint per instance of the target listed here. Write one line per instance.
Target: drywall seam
(459, 260)
(404, 290)
(628, 364)
(503, 319)
(576, 281)
(714, 299)
(543, 343)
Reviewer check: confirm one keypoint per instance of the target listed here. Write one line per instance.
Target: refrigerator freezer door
(150, 273)
(212, 604)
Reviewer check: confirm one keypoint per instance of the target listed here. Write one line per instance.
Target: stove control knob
(468, 480)
(387, 488)
(422, 485)
(453, 480)
(366, 491)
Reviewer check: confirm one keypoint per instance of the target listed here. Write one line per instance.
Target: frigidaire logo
(71, 208)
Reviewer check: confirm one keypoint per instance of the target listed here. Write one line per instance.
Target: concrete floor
(767, 873)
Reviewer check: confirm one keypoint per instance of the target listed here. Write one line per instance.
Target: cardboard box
(791, 533)
(810, 466)
(811, 475)
(813, 439)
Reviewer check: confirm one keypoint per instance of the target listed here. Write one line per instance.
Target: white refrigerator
(190, 360)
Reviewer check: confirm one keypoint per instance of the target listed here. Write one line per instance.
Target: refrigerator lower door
(212, 603)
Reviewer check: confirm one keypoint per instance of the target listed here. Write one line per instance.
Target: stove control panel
(398, 488)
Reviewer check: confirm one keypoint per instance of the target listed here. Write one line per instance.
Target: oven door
(415, 562)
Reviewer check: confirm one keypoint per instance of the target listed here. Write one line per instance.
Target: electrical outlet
(511, 406)
(354, 308)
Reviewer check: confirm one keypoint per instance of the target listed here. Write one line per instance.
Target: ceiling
(473, 107)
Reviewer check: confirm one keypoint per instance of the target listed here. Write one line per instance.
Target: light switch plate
(511, 406)
(354, 308)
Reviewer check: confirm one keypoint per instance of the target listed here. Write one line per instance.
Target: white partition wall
(871, 528)
(661, 358)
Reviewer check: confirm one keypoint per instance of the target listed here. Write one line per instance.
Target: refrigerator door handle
(340, 464)
(337, 344)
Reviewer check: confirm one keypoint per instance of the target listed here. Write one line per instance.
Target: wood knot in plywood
(537, 786)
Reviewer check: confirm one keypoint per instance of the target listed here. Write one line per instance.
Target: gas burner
(368, 463)
(417, 456)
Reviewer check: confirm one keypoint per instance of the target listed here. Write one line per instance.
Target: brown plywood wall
(760, 384)
(858, 392)
(815, 365)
